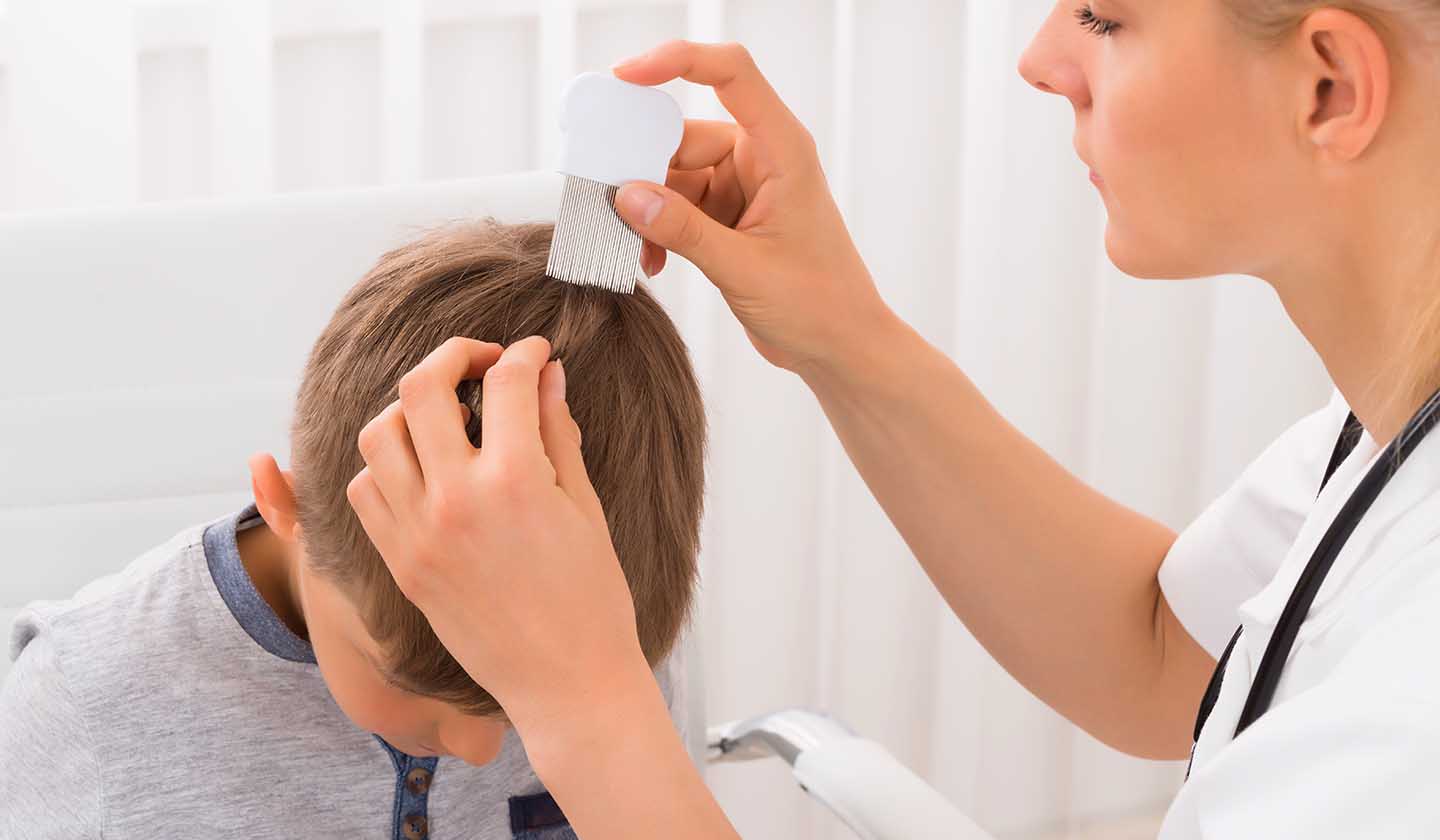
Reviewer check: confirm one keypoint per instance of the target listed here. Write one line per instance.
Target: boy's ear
(274, 495)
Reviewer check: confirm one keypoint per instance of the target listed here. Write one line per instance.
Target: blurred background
(964, 195)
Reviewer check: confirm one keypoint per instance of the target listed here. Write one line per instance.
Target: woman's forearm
(1056, 580)
(618, 768)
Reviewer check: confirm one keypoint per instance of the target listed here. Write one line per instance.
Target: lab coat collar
(1404, 517)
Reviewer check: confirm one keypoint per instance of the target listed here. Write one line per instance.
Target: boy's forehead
(340, 619)
(335, 613)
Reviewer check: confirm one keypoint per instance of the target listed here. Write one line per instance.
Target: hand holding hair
(476, 537)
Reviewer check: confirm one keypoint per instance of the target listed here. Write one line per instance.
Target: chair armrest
(868, 788)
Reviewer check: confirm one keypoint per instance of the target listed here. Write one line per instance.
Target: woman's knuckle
(691, 233)
(457, 344)
(369, 438)
(424, 558)
(411, 384)
(504, 375)
(355, 489)
(447, 508)
(505, 480)
(808, 141)
(738, 53)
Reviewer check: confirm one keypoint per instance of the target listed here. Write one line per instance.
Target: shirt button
(418, 781)
(415, 826)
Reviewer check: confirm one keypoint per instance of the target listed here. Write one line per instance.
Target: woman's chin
(1145, 262)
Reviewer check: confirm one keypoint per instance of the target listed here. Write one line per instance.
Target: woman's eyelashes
(1098, 25)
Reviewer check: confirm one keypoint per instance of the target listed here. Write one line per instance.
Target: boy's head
(631, 390)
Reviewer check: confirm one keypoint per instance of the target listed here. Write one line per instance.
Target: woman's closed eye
(1098, 25)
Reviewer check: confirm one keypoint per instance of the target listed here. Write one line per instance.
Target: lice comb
(614, 132)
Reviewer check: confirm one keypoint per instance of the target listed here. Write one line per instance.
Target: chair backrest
(149, 351)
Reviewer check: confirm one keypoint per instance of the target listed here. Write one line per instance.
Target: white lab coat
(1350, 747)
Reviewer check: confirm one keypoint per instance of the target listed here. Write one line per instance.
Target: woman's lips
(1096, 179)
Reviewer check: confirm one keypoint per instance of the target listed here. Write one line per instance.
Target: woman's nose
(1051, 63)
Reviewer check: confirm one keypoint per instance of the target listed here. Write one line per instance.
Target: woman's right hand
(748, 204)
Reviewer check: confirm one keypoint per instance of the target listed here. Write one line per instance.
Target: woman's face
(1187, 124)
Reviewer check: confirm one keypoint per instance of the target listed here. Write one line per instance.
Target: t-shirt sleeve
(50, 785)
(1234, 548)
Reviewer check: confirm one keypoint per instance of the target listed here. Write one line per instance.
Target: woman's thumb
(665, 217)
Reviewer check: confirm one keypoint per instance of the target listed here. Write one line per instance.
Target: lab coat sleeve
(50, 781)
(1234, 548)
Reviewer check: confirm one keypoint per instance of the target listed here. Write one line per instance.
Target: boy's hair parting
(629, 384)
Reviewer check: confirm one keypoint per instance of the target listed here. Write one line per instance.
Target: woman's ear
(1348, 87)
(274, 496)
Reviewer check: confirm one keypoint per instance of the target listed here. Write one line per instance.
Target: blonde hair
(1416, 375)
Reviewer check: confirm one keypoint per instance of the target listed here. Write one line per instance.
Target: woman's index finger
(732, 73)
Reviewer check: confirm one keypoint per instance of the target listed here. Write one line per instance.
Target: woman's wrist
(859, 352)
(585, 721)
(614, 761)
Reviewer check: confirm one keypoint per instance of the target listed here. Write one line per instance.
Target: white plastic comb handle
(616, 132)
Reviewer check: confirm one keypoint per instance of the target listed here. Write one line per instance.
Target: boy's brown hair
(630, 387)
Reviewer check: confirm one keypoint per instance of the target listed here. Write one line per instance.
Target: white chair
(150, 350)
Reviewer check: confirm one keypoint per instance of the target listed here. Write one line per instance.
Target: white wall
(963, 193)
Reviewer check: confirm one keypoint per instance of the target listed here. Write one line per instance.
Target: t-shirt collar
(254, 615)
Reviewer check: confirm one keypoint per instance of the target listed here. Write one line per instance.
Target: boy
(224, 684)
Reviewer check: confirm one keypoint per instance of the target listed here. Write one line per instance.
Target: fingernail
(641, 202)
(557, 381)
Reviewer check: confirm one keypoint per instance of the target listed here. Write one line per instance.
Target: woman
(1288, 139)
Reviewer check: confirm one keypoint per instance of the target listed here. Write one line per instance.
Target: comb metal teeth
(593, 246)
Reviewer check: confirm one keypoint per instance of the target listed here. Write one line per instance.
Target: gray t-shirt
(168, 700)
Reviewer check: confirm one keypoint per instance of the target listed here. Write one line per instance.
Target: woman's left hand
(504, 548)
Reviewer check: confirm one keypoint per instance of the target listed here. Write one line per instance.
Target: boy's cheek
(364, 709)
(475, 742)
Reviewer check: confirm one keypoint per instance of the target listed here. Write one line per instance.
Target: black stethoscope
(1267, 676)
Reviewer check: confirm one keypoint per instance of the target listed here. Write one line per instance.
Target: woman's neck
(1357, 301)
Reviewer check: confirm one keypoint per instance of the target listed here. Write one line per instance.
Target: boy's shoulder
(123, 609)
